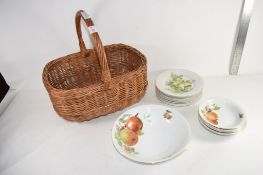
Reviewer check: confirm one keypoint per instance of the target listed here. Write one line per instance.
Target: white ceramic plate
(217, 129)
(221, 129)
(179, 98)
(164, 77)
(176, 104)
(164, 134)
(222, 113)
(214, 131)
(173, 99)
(173, 102)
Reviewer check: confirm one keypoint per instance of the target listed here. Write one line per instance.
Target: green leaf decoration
(216, 107)
(139, 133)
(147, 118)
(119, 142)
(126, 115)
(124, 118)
(177, 83)
(117, 137)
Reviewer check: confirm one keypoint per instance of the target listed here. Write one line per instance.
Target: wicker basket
(95, 82)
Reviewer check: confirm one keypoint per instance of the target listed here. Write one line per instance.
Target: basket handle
(95, 38)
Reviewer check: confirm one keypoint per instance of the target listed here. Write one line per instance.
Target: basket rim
(95, 85)
(99, 83)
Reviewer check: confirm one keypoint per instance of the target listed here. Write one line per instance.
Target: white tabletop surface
(34, 140)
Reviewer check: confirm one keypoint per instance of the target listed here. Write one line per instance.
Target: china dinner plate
(164, 77)
(177, 104)
(150, 134)
(194, 98)
(173, 100)
(221, 129)
(214, 131)
(197, 96)
(179, 98)
(222, 114)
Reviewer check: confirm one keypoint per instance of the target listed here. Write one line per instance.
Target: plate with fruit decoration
(222, 115)
(150, 134)
(178, 87)
(179, 83)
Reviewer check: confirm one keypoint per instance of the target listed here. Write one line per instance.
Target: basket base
(104, 111)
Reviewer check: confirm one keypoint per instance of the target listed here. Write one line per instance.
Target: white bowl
(162, 138)
(222, 113)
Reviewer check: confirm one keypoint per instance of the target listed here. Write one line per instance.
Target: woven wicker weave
(95, 82)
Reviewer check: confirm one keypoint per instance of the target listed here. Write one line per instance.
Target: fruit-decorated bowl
(222, 114)
(150, 134)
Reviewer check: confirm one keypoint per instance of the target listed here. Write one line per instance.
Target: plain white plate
(162, 138)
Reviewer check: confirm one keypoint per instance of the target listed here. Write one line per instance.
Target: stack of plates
(221, 116)
(179, 87)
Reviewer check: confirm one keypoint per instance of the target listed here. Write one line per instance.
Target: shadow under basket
(95, 82)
